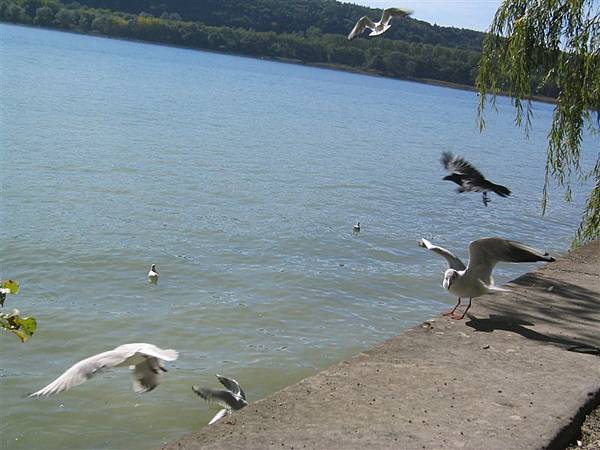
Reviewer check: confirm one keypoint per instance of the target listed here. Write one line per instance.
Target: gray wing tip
(199, 392)
(446, 158)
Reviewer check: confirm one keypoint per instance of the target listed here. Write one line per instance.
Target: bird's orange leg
(463, 314)
(451, 311)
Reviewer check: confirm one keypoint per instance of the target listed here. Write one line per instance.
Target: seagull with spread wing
(145, 360)
(380, 27)
(231, 398)
(469, 179)
(476, 279)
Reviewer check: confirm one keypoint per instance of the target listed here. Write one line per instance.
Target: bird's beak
(447, 283)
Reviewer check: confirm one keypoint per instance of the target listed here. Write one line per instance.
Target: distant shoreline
(328, 66)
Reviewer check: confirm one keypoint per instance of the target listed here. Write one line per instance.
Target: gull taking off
(469, 179)
(145, 361)
(233, 398)
(153, 274)
(380, 27)
(476, 279)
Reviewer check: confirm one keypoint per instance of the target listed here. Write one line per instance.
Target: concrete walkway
(518, 373)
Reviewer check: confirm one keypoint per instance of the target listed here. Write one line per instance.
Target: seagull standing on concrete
(233, 398)
(145, 360)
(153, 274)
(469, 179)
(476, 279)
(380, 27)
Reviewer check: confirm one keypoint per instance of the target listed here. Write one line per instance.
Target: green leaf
(27, 326)
(12, 286)
(23, 327)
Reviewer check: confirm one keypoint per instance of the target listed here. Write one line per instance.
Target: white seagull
(153, 274)
(380, 27)
(233, 398)
(476, 279)
(356, 228)
(145, 360)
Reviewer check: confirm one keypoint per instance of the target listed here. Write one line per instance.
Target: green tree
(557, 42)
(43, 16)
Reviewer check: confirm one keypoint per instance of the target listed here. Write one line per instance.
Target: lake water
(241, 179)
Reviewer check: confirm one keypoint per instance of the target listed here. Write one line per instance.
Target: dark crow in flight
(469, 179)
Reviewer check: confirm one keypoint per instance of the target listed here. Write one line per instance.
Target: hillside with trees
(292, 16)
(306, 31)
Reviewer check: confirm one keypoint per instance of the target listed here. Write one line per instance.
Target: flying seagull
(476, 279)
(380, 27)
(469, 179)
(233, 398)
(153, 274)
(356, 228)
(145, 361)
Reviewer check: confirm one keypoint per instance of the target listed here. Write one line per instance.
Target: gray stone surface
(519, 372)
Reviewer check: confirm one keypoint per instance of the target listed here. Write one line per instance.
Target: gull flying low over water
(153, 274)
(380, 27)
(476, 279)
(469, 179)
(145, 361)
(356, 228)
(232, 398)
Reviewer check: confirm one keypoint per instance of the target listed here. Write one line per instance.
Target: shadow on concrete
(508, 323)
(540, 301)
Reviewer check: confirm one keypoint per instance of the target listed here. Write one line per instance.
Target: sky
(473, 14)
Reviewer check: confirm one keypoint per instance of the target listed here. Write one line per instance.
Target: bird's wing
(453, 261)
(222, 413)
(457, 164)
(147, 350)
(146, 375)
(81, 372)
(232, 385)
(221, 397)
(388, 13)
(360, 26)
(485, 253)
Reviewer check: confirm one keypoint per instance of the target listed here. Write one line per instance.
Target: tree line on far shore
(388, 57)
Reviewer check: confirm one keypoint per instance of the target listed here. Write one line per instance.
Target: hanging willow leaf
(557, 41)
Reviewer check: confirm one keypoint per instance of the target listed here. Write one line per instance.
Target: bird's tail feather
(502, 191)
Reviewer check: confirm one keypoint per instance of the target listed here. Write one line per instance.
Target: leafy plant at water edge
(23, 327)
(557, 41)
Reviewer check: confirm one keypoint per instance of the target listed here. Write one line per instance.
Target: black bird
(469, 179)
(233, 398)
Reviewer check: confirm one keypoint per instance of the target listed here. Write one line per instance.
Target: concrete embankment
(519, 372)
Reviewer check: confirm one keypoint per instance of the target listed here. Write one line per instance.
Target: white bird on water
(153, 274)
(356, 228)
(233, 398)
(380, 27)
(476, 279)
(145, 361)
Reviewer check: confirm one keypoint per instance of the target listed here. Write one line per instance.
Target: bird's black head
(453, 177)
